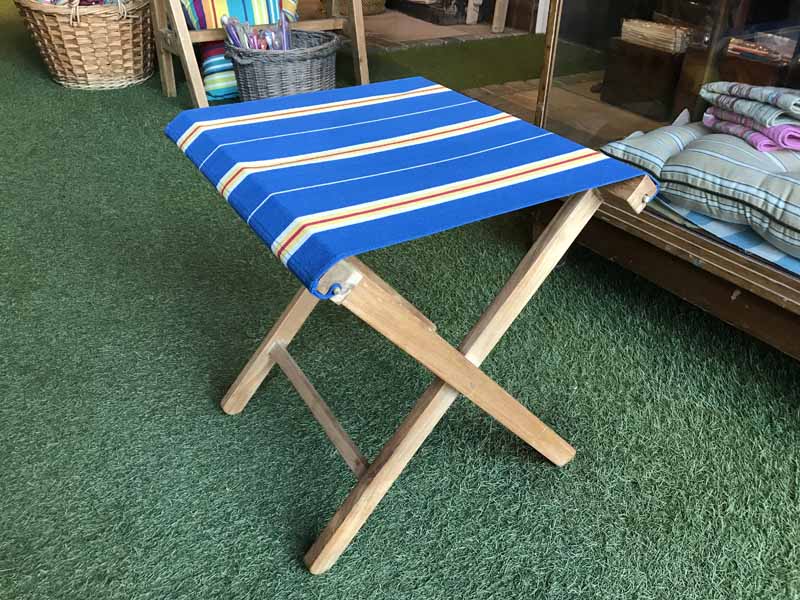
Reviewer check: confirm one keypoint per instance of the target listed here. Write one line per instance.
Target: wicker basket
(308, 67)
(93, 47)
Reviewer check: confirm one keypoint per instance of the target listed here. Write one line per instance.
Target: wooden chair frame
(372, 300)
(173, 37)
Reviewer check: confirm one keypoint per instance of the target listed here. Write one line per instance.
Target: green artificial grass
(131, 295)
(461, 65)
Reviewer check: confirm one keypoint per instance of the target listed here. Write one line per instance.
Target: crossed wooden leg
(382, 308)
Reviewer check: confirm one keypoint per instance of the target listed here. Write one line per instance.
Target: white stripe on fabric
(750, 151)
(242, 170)
(371, 175)
(199, 127)
(332, 128)
(384, 207)
(745, 165)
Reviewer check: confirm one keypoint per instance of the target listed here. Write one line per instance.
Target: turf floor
(130, 295)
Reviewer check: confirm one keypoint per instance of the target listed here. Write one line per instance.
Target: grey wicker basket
(309, 66)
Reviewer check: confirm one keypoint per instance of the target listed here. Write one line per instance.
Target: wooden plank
(549, 65)
(218, 34)
(499, 16)
(380, 475)
(320, 410)
(437, 399)
(164, 49)
(746, 272)
(425, 321)
(260, 364)
(739, 307)
(538, 263)
(542, 13)
(372, 304)
(631, 195)
(473, 10)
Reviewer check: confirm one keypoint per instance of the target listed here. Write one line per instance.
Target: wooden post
(186, 53)
(166, 69)
(473, 10)
(499, 17)
(549, 66)
(358, 41)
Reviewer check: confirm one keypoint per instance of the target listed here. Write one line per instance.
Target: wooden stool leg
(431, 407)
(166, 69)
(381, 474)
(260, 364)
(370, 302)
(358, 41)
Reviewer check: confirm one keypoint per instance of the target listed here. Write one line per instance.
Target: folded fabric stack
(767, 118)
(723, 177)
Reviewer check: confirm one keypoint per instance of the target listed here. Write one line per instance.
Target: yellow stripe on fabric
(221, 9)
(240, 171)
(369, 211)
(199, 127)
(208, 9)
(259, 12)
(290, 8)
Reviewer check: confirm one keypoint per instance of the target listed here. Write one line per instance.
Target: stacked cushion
(219, 79)
(722, 176)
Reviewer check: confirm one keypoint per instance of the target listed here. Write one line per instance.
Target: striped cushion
(741, 236)
(723, 177)
(650, 151)
(219, 79)
(327, 175)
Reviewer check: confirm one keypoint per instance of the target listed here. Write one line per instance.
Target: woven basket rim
(327, 47)
(65, 9)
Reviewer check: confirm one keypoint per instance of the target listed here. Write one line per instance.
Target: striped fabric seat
(328, 175)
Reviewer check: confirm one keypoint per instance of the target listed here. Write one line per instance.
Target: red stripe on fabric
(214, 13)
(428, 197)
(215, 51)
(246, 119)
(353, 150)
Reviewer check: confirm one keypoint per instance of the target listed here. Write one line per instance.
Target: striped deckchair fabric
(328, 175)
(207, 14)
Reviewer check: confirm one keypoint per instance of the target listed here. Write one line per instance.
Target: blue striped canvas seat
(324, 176)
